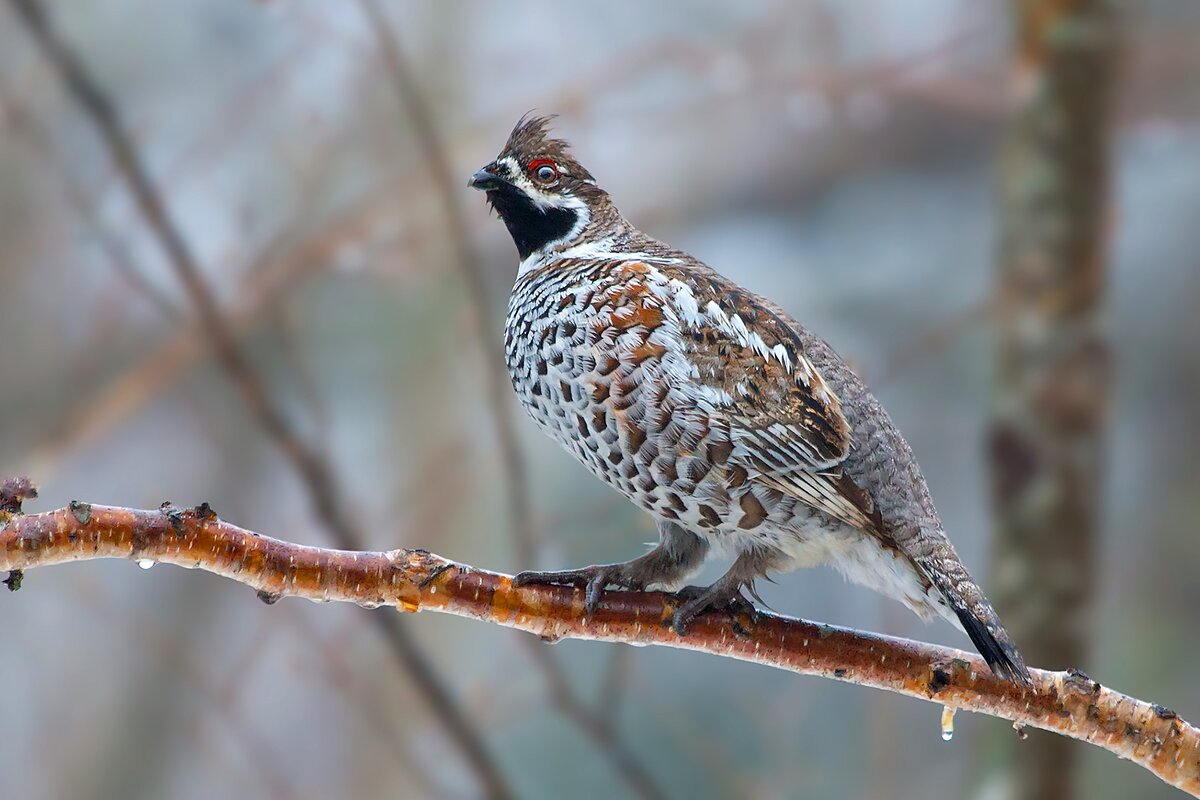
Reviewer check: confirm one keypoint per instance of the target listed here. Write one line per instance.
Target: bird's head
(546, 198)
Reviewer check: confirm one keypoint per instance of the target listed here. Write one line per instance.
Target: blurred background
(989, 209)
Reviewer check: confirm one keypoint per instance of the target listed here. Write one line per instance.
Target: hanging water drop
(145, 563)
(947, 723)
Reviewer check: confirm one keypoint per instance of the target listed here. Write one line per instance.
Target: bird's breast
(584, 356)
(596, 358)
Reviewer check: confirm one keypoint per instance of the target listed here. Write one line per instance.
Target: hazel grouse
(708, 406)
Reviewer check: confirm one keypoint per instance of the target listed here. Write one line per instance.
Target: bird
(735, 427)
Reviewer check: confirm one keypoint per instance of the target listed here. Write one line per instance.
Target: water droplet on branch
(947, 723)
(145, 563)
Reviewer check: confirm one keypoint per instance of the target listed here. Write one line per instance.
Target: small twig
(1069, 703)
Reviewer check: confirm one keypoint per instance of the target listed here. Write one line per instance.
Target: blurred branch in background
(449, 191)
(1069, 703)
(267, 280)
(592, 722)
(82, 204)
(147, 632)
(1052, 381)
(936, 340)
(312, 465)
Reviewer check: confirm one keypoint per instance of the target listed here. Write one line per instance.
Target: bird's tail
(979, 620)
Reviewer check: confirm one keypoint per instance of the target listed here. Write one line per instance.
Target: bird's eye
(544, 171)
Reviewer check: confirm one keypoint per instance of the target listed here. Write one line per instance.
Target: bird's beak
(486, 179)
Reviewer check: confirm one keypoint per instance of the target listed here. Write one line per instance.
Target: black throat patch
(531, 228)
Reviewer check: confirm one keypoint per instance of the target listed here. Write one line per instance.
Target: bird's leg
(678, 554)
(726, 592)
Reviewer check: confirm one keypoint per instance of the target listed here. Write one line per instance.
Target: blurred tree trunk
(1051, 388)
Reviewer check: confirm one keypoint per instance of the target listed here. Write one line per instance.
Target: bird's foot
(594, 580)
(724, 595)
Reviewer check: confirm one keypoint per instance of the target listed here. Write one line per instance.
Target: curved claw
(594, 580)
(595, 590)
(716, 597)
(570, 577)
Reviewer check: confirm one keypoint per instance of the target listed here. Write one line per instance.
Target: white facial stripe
(520, 178)
(514, 168)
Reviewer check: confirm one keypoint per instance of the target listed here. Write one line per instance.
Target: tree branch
(1069, 703)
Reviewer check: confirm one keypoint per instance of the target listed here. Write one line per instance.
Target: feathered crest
(531, 139)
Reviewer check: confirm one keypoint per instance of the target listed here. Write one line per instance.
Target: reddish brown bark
(1068, 703)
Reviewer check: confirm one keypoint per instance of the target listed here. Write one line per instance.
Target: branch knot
(13, 492)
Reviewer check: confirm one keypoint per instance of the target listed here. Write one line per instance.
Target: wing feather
(786, 425)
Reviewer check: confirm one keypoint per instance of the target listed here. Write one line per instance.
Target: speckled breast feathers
(687, 396)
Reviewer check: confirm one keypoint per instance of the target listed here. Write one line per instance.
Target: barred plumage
(710, 408)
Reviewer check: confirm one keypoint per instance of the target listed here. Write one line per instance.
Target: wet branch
(1068, 703)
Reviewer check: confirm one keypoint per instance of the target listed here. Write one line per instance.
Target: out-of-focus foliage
(839, 157)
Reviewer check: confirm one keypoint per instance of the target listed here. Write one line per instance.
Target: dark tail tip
(994, 644)
(978, 619)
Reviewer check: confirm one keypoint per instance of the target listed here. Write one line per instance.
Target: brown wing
(786, 425)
